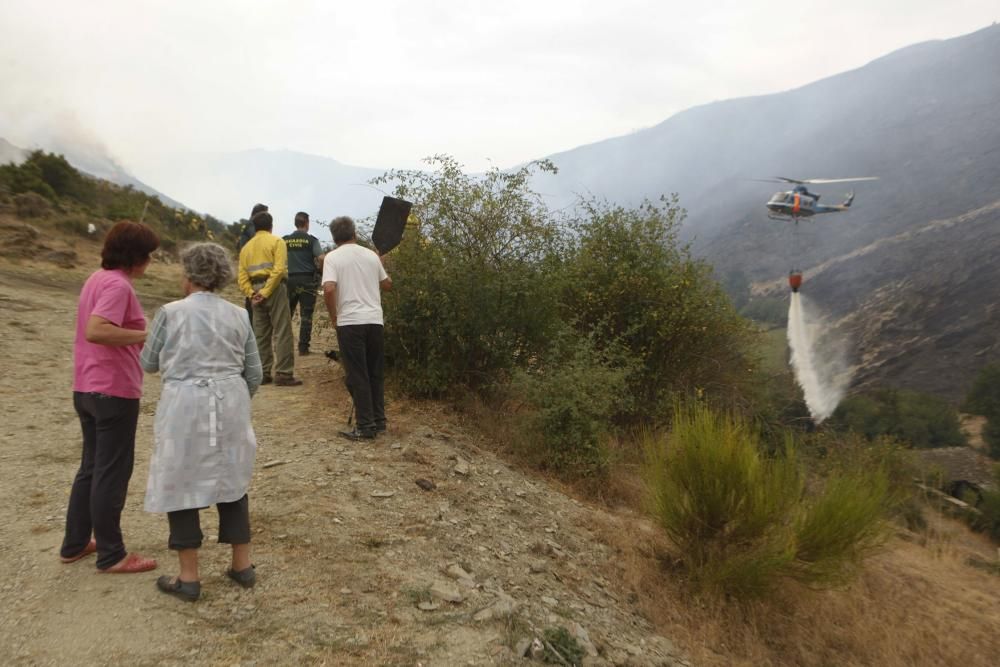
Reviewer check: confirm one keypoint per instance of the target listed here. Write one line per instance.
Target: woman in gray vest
(206, 354)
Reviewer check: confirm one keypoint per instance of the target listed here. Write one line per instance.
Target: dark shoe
(267, 380)
(380, 429)
(356, 435)
(286, 381)
(189, 591)
(304, 352)
(245, 578)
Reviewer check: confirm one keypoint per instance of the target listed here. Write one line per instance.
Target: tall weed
(742, 521)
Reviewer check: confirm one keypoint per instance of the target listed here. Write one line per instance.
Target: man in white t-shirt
(353, 277)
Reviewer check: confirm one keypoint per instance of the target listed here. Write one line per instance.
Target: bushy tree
(629, 282)
(922, 420)
(984, 399)
(475, 297)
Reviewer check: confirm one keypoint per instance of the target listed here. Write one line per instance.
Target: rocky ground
(419, 548)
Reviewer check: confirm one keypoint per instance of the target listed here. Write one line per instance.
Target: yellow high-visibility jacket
(264, 257)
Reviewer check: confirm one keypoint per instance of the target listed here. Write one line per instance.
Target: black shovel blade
(391, 222)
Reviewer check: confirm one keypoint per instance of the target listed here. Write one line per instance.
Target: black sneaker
(356, 435)
(304, 352)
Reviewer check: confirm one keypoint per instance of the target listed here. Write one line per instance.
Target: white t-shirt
(357, 272)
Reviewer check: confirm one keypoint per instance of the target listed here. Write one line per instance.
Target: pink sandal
(87, 550)
(130, 565)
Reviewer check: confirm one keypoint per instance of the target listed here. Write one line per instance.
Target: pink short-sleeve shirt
(114, 371)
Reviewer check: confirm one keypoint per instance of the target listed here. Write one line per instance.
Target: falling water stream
(819, 362)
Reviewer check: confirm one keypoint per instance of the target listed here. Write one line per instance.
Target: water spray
(818, 361)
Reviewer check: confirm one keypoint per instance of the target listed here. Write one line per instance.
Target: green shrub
(984, 396)
(988, 519)
(742, 521)
(571, 399)
(474, 297)
(919, 419)
(984, 399)
(567, 648)
(841, 526)
(771, 310)
(629, 281)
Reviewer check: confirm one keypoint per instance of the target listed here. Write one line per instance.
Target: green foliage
(988, 519)
(572, 397)
(741, 520)
(25, 178)
(841, 526)
(628, 281)
(984, 396)
(82, 197)
(984, 399)
(566, 646)
(919, 419)
(474, 299)
(772, 310)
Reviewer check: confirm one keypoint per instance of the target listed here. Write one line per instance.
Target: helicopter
(800, 203)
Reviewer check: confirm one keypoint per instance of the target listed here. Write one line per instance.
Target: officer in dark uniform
(304, 257)
(246, 234)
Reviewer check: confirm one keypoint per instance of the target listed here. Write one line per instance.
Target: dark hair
(128, 245)
(301, 219)
(342, 229)
(257, 208)
(262, 221)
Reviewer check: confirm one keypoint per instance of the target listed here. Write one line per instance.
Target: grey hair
(207, 265)
(342, 229)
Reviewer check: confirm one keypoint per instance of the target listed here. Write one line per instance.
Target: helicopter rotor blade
(819, 181)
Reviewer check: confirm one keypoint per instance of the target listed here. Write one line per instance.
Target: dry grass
(912, 605)
(918, 602)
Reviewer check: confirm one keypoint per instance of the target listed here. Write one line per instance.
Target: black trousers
(302, 292)
(234, 525)
(99, 488)
(362, 350)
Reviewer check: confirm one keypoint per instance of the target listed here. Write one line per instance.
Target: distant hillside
(91, 160)
(229, 184)
(925, 119)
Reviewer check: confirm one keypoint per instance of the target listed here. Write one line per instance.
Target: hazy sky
(385, 83)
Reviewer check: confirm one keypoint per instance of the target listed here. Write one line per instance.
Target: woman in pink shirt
(107, 386)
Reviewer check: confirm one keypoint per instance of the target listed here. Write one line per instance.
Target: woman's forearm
(103, 332)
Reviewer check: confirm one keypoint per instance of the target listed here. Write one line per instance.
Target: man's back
(303, 248)
(357, 272)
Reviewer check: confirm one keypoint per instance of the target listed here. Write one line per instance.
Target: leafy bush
(919, 419)
(984, 399)
(741, 521)
(475, 299)
(984, 396)
(771, 310)
(571, 399)
(567, 649)
(988, 519)
(628, 281)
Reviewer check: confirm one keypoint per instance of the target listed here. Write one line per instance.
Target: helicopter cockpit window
(780, 197)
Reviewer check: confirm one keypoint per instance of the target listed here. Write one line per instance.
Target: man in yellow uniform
(263, 270)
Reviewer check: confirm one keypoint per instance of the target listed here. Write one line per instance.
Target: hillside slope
(920, 306)
(925, 120)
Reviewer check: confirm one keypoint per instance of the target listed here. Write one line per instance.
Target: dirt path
(348, 547)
